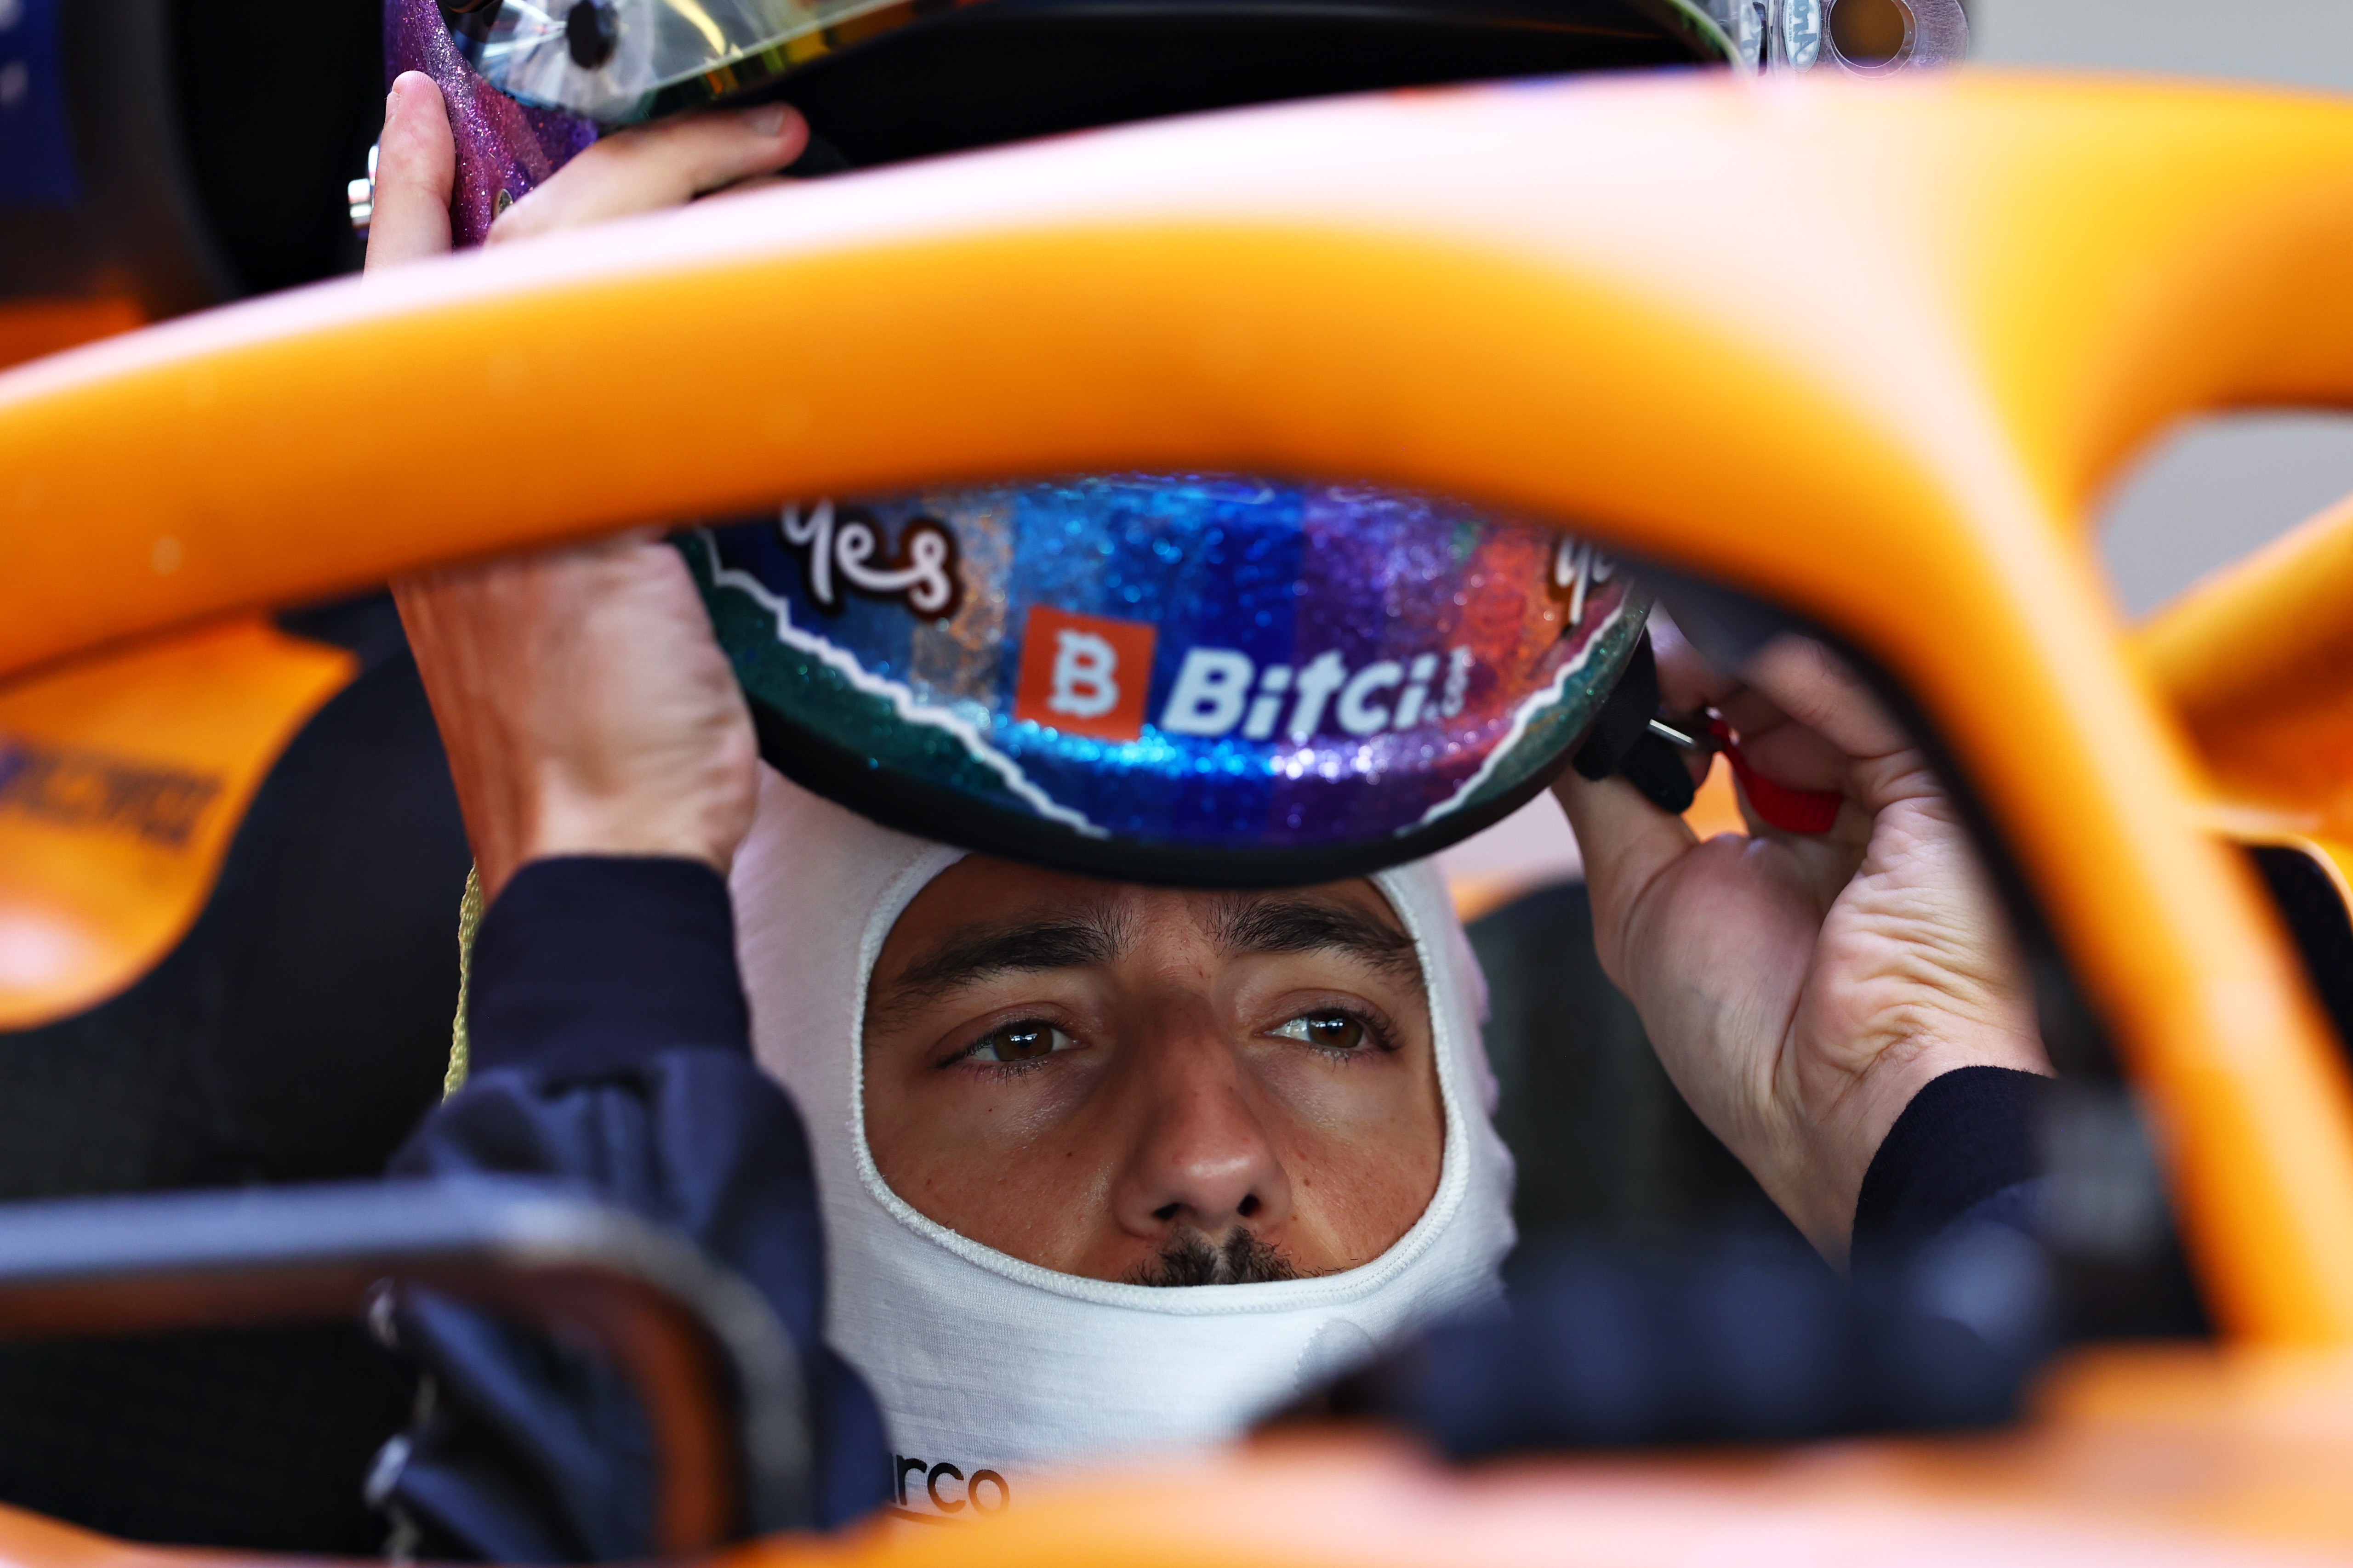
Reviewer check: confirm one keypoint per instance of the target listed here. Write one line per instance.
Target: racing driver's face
(1159, 1086)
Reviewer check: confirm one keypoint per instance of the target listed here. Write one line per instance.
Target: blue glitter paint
(1327, 665)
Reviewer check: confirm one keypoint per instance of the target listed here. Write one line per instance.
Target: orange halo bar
(2258, 661)
(1860, 348)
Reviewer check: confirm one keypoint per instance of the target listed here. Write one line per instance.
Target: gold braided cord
(470, 920)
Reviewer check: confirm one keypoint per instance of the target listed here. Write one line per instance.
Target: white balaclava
(987, 1367)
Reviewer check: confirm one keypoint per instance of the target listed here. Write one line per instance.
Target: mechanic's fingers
(1687, 681)
(1785, 752)
(1781, 748)
(655, 166)
(417, 163)
(1814, 687)
(1627, 843)
(747, 187)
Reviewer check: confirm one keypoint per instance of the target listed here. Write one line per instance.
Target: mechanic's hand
(641, 170)
(1800, 989)
(586, 708)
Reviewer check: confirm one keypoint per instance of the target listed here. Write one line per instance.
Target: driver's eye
(1325, 1031)
(1027, 1041)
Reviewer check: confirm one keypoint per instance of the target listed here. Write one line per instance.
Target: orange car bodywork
(1862, 348)
(31, 328)
(122, 781)
(2259, 664)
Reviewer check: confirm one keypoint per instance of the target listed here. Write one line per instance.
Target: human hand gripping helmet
(1202, 678)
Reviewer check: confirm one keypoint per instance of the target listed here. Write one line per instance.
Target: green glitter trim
(1541, 745)
(815, 695)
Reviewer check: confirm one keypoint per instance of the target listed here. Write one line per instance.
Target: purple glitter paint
(504, 148)
(1201, 679)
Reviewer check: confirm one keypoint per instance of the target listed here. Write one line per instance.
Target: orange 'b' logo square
(1085, 675)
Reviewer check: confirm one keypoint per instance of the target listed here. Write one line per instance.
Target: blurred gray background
(2218, 487)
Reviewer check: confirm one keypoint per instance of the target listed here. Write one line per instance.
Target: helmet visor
(612, 60)
(620, 60)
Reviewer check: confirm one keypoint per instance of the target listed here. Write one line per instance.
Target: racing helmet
(1201, 679)
(1196, 679)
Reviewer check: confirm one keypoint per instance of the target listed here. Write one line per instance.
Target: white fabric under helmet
(988, 1368)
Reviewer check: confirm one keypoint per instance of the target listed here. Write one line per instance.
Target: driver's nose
(1202, 1157)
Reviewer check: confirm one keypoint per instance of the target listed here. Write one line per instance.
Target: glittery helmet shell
(1195, 679)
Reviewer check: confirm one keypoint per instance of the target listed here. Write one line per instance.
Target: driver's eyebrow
(1274, 923)
(1030, 947)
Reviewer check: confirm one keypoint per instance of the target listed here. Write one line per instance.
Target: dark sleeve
(1967, 1150)
(610, 1047)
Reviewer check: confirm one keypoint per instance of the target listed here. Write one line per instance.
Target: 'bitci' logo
(1085, 675)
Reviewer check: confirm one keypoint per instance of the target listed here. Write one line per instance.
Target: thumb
(416, 169)
(1627, 843)
(665, 165)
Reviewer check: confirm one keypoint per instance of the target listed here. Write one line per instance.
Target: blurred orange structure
(1861, 350)
(31, 328)
(121, 782)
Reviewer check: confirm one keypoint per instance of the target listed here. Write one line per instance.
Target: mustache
(1192, 1258)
